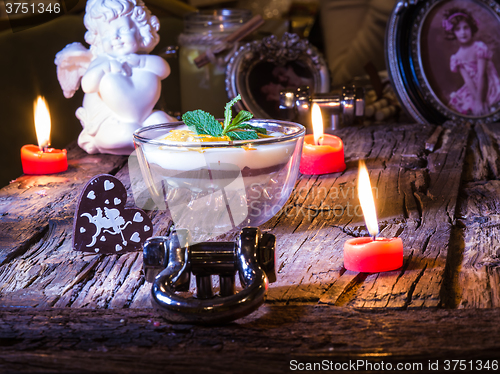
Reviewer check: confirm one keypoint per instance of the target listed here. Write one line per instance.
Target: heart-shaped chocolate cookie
(102, 224)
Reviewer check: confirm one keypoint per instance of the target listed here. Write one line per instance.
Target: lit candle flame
(42, 122)
(366, 200)
(317, 124)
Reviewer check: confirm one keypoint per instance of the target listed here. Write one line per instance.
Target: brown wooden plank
(311, 240)
(37, 261)
(131, 340)
(55, 195)
(484, 151)
(23, 278)
(479, 285)
(34, 200)
(415, 193)
(38, 266)
(417, 196)
(420, 281)
(476, 282)
(17, 236)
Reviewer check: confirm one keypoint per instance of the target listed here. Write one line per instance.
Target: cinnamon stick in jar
(246, 29)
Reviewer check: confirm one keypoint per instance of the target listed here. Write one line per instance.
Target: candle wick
(44, 147)
(320, 140)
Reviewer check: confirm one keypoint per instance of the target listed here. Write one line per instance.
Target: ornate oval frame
(407, 59)
(252, 66)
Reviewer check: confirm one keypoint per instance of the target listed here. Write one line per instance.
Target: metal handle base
(169, 262)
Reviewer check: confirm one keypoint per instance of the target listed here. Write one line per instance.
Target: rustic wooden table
(437, 187)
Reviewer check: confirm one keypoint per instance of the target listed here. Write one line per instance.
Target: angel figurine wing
(72, 62)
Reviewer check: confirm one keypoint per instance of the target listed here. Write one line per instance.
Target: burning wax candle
(41, 159)
(322, 153)
(373, 254)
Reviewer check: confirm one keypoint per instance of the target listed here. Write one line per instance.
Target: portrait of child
(460, 57)
(473, 61)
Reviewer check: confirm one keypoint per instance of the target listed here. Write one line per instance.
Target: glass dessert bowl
(212, 187)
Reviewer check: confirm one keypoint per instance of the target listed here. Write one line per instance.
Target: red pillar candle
(321, 154)
(36, 161)
(41, 159)
(322, 159)
(373, 254)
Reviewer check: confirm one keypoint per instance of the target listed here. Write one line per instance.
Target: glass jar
(204, 88)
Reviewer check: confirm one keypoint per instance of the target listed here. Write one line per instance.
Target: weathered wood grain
(415, 193)
(37, 262)
(437, 197)
(442, 201)
(479, 274)
(33, 200)
(140, 341)
(483, 162)
(476, 283)
(72, 279)
(51, 196)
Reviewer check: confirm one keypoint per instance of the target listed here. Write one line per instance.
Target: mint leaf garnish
(228, 113)
(242, 135)
(247, 126)
(202, 123)
(239, 121)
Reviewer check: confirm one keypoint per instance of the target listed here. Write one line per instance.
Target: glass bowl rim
(218, 15)
(300, 131)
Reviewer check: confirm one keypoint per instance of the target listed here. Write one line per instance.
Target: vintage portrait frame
(259, 70)
(435, 69)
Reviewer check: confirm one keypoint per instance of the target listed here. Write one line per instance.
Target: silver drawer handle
(169, 262)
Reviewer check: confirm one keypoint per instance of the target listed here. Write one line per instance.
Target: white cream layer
(183, 159)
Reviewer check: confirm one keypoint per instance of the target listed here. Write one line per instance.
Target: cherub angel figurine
(121, 81)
